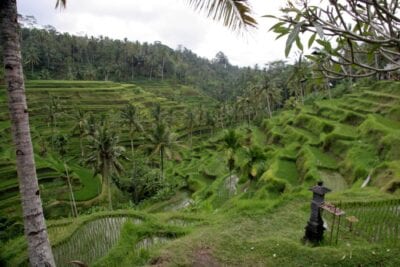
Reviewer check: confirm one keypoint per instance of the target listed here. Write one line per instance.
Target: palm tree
(130, 117)
(32, 58)
(80, 120)
(40, 254)
(300, 73)
(53, 109)
(104, 155)
(243, 103)
(210, 119)
(230, 143)
(200, 115)
(156, 112)
(90, 125)
(60, 142)
(164, 143)
(190, 123)
(235, 14)
(254, 163)
(269, 93)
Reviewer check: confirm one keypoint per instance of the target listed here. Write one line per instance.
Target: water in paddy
(91, 241)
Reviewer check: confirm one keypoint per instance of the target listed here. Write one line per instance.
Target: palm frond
(235, 14)
(61, 4)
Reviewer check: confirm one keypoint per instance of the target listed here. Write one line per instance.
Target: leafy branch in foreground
(356, 38)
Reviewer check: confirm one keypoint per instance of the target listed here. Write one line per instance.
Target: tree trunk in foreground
(39, 248)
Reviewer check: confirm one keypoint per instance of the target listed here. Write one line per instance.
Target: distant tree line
(49, 54)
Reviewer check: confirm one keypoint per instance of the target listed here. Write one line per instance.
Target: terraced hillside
(97, 98)
(254, 213)
(341, 141)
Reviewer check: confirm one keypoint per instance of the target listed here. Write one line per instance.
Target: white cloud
(169, 21)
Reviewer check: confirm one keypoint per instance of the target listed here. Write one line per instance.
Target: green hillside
(252, 214)
(95, 98)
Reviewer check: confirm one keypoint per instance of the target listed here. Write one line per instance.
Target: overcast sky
(172, 22)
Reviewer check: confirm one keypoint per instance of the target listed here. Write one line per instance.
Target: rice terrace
(147, 151)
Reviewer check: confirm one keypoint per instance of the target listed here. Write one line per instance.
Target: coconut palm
(32, 58)
(80, 122)
(254, 162)
(60, 143)
(104, 155)
(130, 117)
(269, 94)
(243, 103)
(90, 126)
(200, 115)
(210, 121)
(164, 143)
(230, 143)
(190, 123)
(156, 112)
(300, 73)
(53, 110)
(235, 14)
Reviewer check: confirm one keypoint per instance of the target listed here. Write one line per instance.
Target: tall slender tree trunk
(73, 202)
(151, 72)
(132, 149)
(248, 114)
(191, 137)
(162, 69)
(162, 162)
(39, 248)
(81, 144)
(132, 69)
(269, 107)
(107, 179)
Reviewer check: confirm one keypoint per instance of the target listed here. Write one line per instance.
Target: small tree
(130, 116)
(254, 162)
(60, 143)
(53, 111)
(230, 143)
(164, 143)
(105, 154)
(141, 182)
(80, 122)
(190, 123)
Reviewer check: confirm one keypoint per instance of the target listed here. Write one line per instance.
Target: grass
(269, 236)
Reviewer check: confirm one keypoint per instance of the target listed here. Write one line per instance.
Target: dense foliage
(49, 54)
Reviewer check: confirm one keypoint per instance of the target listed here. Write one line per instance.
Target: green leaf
(292, 37)
(299, 44)
(290, 9)
(326, 45)
(337, 68)
(319, 30)
(311, 40)
(281, 35)
(280, 29)
(269, 16)
(277, 25)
